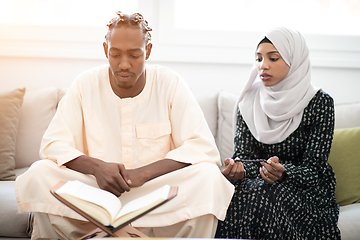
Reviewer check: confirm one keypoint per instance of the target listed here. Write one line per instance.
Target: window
(62, 12)
(326, 17)
(225, 31)
(205, 31)
(57, 28)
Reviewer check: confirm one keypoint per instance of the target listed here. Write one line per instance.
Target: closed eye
(114, 55)
(135, 56)
(258, 58)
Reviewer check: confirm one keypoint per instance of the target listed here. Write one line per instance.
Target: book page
(91, 194)
(147, 200)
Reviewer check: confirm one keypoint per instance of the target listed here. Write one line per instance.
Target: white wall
(341, 83)
(32, 73)
(36, 56)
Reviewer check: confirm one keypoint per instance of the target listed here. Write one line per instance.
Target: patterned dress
(303, 205)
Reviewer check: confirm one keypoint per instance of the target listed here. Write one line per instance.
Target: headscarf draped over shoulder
(273, 113)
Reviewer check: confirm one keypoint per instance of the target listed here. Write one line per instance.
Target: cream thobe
(163, 121)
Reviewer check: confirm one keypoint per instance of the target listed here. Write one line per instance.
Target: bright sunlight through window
(329, 17)
(62, 12)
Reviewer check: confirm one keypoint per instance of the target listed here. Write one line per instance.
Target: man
(129, 128)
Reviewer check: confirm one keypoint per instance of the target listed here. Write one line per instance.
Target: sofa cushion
(12, 223)
(345, 160)
(37, 110)
(208, 103)
(10, 104)
(225, 134)
(347, 115)
(349, 219)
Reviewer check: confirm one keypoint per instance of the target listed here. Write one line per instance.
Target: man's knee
(40, 170)
(207, 169)
(42, 165)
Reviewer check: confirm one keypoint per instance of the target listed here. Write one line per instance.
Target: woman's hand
(272, 170)
(233, 170)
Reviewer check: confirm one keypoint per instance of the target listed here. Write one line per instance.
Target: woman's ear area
(105, 49)
(148, 51)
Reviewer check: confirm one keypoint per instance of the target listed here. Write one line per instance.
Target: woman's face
(272, 69)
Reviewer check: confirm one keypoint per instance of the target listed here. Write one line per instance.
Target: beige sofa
(39, 105)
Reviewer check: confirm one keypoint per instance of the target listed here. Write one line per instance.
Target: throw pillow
(208, 103)
(347, 115)
(10, 104)
(225, 135)
(345, 160)
(37, 110)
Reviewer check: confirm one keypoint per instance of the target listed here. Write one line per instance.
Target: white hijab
(273, 113)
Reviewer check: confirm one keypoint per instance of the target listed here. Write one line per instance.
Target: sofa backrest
(208, 103)
(347, 115)
(39, 107)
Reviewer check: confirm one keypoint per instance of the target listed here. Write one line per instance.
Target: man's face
(126, 52)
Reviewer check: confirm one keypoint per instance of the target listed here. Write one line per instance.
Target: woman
(282, 118)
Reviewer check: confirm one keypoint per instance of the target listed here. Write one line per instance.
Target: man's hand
(111, 177)
(138, 176)
(233, 170)
(115, 178)
(272, 170)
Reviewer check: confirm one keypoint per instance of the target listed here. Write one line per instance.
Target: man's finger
(115, 191)
(123, 180)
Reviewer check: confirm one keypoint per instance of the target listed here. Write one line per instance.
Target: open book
(103, 208)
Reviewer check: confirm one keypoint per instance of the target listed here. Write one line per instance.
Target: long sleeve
(304, 153)
(63, 140)
(245, 147)
(317, 147)
(163, 121)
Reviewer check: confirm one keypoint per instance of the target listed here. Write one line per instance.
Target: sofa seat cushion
(19, 171)
(10, 104)
(12, 223)
(345, 160)
(349, 220)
